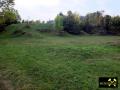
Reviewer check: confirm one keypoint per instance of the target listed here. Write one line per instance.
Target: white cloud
(36, 9)
(48, 9)
(33, 3)
(81, 2)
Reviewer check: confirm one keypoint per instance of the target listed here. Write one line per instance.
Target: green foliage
(107, 21)
(72, 23)
(11, 16)
(115, 21)
(1, 19)
(8, 14)
(94, 18)
(112, 24)
(115, 25)
(59, 22)
(96, 23)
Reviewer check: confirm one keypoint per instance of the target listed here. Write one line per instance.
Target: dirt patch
(5, 85)
(117, 43)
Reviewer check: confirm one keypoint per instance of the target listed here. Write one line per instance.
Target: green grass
(49, 62)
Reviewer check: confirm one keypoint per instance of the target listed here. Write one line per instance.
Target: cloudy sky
(48, 9)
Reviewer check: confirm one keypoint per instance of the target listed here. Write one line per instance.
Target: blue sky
(48, 9)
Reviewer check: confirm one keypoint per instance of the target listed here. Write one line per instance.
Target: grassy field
(50, 62)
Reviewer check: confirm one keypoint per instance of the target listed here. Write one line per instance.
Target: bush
(28, 26)
(61, 33)
(44, 30)
(18, 33)
(21, 33)
(2, 28)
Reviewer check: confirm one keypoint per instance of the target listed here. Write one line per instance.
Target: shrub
(27, 26)
(18, 33)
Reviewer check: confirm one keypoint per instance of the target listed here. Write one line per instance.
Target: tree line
(92, 23)
(73, 23)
